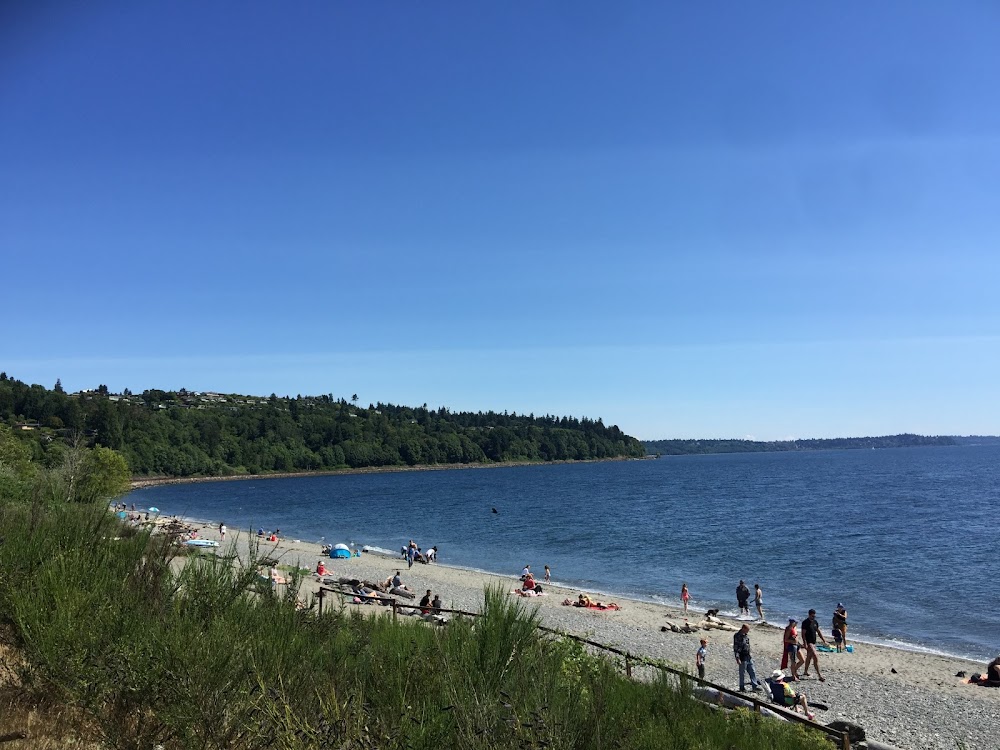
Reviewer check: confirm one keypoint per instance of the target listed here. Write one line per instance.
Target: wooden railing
(840, 738)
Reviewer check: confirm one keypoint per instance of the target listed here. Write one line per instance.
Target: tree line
(182, 433)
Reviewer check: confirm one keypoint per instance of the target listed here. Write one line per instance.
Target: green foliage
(104, 475)
(202, 657)
(184, 434)
(16, 468)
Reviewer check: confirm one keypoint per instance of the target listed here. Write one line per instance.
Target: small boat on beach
(201, 543)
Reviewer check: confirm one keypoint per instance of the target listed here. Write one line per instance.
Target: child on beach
(699, 658)
(758, 600)
(548, 574)
(685, 595)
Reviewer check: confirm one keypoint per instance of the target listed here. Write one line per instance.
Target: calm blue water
(907, 539)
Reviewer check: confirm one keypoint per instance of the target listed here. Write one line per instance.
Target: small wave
(373, 550)
(917, 648)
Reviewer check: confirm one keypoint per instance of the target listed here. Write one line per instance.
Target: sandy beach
(907, 699)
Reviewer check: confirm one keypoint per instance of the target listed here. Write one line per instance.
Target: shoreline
(139, 483)
(909, 699)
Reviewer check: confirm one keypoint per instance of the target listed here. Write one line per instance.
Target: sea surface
(906, 538)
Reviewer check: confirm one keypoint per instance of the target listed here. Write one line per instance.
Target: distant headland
(686, 447)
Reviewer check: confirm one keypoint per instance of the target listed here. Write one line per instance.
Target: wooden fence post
(322, 593)
(628, 667)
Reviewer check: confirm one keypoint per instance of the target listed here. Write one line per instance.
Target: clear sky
(689, 219)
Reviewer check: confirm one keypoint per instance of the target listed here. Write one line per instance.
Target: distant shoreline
(139, 483)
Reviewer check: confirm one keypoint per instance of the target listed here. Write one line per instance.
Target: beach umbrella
(153, 510)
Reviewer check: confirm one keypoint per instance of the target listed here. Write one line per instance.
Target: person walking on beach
(758, 600)
(685, 595)
(840, 627)
(548, 574)
(744, 659)
(699, 658)
(222, 531)
(743, 599)
(791, 658)
(810, 631)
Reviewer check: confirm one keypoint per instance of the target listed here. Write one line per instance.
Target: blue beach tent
(340, 550)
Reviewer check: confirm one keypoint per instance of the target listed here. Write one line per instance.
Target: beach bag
(538, 589)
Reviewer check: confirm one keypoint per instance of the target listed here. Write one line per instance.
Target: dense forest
(690, 447)
(185, 433)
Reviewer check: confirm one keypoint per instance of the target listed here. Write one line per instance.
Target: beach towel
(611, 605)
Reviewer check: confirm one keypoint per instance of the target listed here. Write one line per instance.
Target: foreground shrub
(200, 655)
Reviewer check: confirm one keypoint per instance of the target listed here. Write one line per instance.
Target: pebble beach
(907, 699)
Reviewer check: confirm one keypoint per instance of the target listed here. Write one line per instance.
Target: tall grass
(204, 655)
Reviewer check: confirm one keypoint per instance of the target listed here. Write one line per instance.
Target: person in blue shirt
(699, 658)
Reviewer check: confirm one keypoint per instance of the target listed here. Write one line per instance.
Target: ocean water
(906, 538)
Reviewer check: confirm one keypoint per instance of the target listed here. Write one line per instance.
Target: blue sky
(732, 220)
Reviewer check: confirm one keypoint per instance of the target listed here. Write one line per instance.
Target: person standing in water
(743, 599)
(758, 600)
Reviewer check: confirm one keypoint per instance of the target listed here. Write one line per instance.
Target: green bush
(201, 655)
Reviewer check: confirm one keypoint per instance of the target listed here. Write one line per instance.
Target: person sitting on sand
(436, 603)
(991, 678)
(321, 568)
(425, 603)
(584, 601)
(993, 672)
(782, 693)
(529, 583)
(276, 577)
